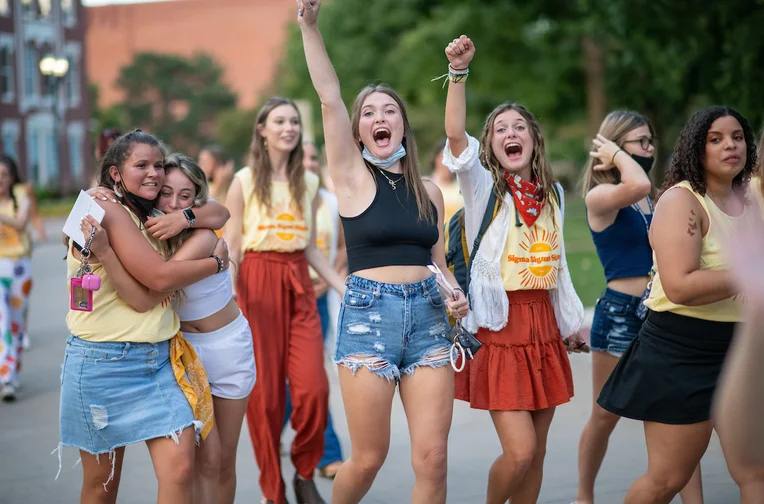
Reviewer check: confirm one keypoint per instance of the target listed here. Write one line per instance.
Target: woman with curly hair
(668, 375)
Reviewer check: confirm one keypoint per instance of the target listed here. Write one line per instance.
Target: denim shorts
(116, 394)
(615, 323)
(392, 328)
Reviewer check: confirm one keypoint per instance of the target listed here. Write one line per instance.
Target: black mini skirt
(669, 373)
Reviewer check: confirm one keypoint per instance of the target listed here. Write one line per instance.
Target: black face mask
(645, 162)
(144, 205)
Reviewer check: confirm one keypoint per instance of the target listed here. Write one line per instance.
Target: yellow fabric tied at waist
(190, 374)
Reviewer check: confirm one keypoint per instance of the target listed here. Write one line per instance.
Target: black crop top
(389, 232)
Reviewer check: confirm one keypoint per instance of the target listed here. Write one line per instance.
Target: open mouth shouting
(513, 150)
(382, 137)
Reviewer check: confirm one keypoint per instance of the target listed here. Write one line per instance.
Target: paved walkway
(30, 432)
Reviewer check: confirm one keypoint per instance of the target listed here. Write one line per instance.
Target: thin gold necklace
(389, 180)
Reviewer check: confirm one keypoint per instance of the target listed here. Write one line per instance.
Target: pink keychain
(84, 282)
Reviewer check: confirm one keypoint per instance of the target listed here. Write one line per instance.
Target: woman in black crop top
(619, 201)
(393, 322)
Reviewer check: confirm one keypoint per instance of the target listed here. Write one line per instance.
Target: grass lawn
(54, 208)
(585, 268)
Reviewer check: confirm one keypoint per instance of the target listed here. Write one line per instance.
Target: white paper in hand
(83, 206)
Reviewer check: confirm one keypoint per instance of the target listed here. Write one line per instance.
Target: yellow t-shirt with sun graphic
(531, 256)
(285, 226)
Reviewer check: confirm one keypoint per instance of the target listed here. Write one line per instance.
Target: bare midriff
(228, 314)
(395, 274)
(633, 286)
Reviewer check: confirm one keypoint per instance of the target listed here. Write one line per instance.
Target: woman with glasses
(619, 208)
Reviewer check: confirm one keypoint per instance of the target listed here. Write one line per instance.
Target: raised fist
(460, 52)
(307, 13)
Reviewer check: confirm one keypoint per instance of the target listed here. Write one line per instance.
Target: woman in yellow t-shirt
(523, 372)
(124, 362)
(15, 275)
(667, 377)
(272, 234)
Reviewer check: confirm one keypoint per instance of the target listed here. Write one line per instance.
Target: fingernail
(103, 198)
(113, 201)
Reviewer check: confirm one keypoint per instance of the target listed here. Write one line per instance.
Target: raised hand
(605, 151)
(307, 12)
(460, 52)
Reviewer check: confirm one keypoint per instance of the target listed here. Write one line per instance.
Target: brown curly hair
(689, 151)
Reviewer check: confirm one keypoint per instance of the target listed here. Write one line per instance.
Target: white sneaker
(8, 393)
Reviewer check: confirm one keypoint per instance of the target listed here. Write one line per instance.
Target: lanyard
(636, 207)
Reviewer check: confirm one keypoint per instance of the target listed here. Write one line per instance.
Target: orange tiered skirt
(523, 367)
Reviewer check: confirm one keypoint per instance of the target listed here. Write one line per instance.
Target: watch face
(189, 214)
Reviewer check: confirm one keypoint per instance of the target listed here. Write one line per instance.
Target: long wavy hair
(614, 127)
(260, 162)
(178, 161)
(410, 163)
(690, 151)
(540, 166)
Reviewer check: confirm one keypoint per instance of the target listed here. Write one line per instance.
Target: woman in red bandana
(524, 308)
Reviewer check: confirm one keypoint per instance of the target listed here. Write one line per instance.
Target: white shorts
(228, 358)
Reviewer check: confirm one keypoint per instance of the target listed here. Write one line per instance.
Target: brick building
(245, 37)
(44, 126)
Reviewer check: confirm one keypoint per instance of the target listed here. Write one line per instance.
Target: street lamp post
(55, 69)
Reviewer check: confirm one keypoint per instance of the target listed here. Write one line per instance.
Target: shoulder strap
(490, 211)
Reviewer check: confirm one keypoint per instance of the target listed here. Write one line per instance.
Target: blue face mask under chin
(384, 163)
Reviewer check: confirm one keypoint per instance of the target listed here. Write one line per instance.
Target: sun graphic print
(541, 271)
(284, 226)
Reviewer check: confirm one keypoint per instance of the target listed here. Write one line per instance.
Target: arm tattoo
(692, 226)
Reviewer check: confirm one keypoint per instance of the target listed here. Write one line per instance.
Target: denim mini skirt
(116, 394)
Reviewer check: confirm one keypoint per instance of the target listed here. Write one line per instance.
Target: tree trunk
(596, 98)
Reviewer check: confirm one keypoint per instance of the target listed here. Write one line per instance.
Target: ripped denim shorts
(615, 323)
(392, 328)
(116, 394)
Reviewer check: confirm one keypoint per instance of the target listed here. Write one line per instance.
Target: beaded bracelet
(454, 75)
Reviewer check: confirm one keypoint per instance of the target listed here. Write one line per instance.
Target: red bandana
(527, 196)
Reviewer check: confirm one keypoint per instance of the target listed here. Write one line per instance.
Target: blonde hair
(540, 167)
(260, 162)
(614, 127)
(195, 174)
(410, 163)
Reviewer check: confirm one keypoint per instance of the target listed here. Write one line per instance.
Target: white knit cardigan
(490, 307)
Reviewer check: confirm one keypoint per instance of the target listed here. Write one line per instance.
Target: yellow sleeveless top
(284, 227)
(324, 234)
(112, 319)
(14, 243)
(531, 256)
(720, 228)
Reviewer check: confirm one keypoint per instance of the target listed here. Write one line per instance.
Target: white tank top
(205, 297)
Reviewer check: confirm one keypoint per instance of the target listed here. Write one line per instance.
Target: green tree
(178, 99)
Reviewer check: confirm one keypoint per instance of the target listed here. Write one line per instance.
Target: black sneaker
(305, 491)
